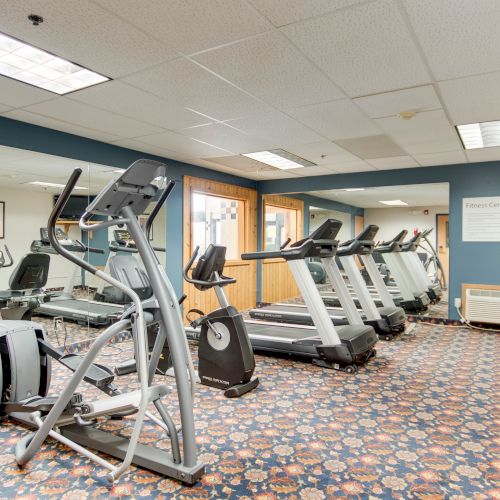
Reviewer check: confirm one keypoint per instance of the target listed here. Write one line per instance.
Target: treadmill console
(60, 235)
(123, 238)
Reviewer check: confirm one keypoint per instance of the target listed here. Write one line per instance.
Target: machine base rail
(146, 457)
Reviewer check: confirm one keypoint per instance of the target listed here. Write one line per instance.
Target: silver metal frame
(183, 463)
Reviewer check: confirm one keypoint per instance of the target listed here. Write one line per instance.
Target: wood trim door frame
(241, 295)
(277, 280)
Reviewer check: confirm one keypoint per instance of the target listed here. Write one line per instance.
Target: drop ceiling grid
(223, 93)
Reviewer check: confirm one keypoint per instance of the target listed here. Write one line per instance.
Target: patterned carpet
(417, 422)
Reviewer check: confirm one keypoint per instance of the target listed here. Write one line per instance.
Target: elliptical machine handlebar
(220, 281)
(156, 209)
(53, 218)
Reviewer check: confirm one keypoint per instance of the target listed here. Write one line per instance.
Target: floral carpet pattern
(420, 420)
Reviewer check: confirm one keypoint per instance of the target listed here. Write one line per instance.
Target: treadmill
(413, 297)
(65, 305)
(419, 274)
(343, 347)
(388, 320)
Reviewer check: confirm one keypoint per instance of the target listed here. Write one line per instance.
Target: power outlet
(458, 302)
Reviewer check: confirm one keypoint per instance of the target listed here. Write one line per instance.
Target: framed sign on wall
(2, 220)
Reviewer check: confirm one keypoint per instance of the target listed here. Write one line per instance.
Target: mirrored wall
(72, 304)
(421, 211)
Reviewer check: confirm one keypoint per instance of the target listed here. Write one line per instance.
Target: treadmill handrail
(131, 248)
(291, 253)
(86, 249)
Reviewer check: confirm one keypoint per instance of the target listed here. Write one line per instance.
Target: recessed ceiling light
(354, 189)
(280, 158)
(25, 63)
(480, 135)
(53, 185)
(394, 203)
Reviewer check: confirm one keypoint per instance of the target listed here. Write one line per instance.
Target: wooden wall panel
(277, 280)
(243, 293)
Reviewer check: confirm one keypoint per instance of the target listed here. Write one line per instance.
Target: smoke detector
(406, 115)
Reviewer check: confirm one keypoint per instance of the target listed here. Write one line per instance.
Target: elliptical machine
(225, 354)
(70, 419)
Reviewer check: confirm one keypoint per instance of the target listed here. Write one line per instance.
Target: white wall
(392, 220)
(317, 217)
(25, 213)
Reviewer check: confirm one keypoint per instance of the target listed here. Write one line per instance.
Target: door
(443, 242)
(282, 219)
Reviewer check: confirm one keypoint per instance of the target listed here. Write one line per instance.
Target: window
(280, 224)
(219, 221)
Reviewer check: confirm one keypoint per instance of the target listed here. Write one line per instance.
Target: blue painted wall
(23, 135)
(469, 262)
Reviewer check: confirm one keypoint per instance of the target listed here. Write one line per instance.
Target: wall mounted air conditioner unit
(482, 306)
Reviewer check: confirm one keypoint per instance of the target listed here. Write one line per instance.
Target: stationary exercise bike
(226, 359)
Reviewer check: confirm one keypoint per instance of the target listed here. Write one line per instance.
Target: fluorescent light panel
(354, 189)
(25, 63)
(280, 158)
(480, 135)
(394, 203)
(53, 184)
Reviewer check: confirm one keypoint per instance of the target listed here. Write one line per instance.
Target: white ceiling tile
(84, 33)
(350, 167)
(192, 25)
(82, 115)
(472, 99)
(276, 174)
(422, 98)
(283, 12)
(394, 162)
(372, 146)
(45, 121)
(184, 145)
(458, 37)
(240, 163)
(129, 101)
(277, 128)
(365, 49)
(226, 137)
(271, 68)
(446, 158)
(187, 84)
(17, 94)
(485, 154)
(3, 108)
(137, 145)
(322, 153)
(312, 171)
(427, 132)
(336, 119)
